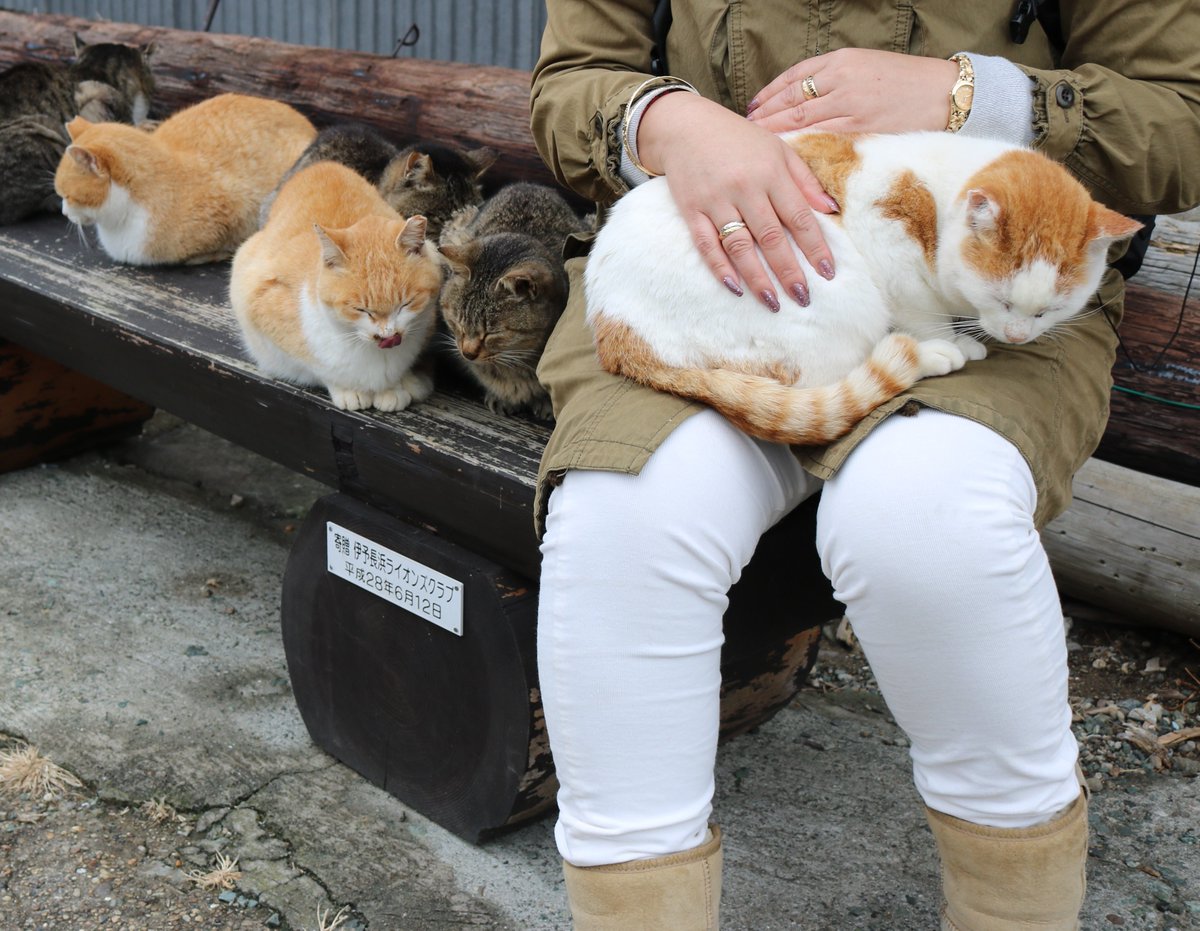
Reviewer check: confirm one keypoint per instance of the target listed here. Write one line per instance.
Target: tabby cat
(339, 290)
(507, 289)
(190, 190)
(427, 179)
(106, 81)
(942, 241)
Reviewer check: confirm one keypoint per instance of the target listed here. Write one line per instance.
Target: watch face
(963, 97)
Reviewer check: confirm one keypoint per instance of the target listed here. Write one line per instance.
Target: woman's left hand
(858, 90)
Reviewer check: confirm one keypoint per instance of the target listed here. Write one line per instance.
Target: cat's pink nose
(470, 348)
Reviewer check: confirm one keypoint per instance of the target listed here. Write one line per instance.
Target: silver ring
(809, 88)
(729, 228)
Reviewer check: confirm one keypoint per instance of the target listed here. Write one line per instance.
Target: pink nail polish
(751, 106)
(833, 204)
(732, 285)
(769, 298)
(825, 267)
(800, 293)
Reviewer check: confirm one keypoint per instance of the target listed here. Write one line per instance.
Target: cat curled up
(190, 190)
(942, 242)
(339, 290)
(507, 289)
(107, 81)
(423, 178)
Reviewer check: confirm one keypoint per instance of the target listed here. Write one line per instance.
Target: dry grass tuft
(326, 922)
(224, 876)
(26, 770)
(158, 811)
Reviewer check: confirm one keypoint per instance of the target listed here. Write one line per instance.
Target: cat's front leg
(939, 357)
(414, 386)
(972, 348)
(350, 399)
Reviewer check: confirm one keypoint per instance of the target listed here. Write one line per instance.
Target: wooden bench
(432, 513)
(433, 506)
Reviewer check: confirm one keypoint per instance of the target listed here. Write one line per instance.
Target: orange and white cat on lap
(942, 241)
(337, 289)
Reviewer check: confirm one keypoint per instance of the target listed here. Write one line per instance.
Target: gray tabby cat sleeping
(424, 179)
(107, 82)
(507, 289)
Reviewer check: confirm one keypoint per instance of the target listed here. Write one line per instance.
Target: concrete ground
(140, 649)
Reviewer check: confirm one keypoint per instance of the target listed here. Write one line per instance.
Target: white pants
(927, 535)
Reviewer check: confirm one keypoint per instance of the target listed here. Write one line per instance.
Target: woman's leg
(927, 534)
(635, 575)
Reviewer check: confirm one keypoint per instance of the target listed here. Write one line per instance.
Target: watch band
(962, 94)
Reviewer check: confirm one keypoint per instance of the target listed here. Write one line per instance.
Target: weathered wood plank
(166, 336)
(1131, 542)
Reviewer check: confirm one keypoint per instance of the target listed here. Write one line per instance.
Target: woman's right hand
(722, 168)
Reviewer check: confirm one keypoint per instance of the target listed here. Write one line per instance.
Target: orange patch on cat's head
(377, 265)
(1024, 207)
(82, 177)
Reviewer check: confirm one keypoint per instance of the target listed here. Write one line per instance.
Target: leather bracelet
(664, 82)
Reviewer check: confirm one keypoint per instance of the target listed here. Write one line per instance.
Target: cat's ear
(482, 159)
(983, 211)
(86, 159)
(147, 50)
(80, 45)
(412, 237)
(332, 255)
(1107, 226)
(524, 281)
(417, 167)
(77, 126)
(461, 256)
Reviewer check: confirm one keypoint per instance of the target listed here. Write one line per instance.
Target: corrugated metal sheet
(476, 31)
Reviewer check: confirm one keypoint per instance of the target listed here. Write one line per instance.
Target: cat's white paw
(349, 399)
(939, 357)
(972, 348)
(417, 384)
(394, 399)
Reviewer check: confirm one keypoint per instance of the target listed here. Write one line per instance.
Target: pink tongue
(390, 341)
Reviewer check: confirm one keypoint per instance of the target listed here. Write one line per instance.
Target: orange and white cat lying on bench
(940, 239)
(188, 192)
(337, 289)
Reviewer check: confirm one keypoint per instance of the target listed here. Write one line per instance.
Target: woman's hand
(859, 90)
(721, 168)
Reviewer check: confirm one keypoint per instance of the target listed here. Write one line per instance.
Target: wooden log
(48, 411)
(1154, 426)
(1130, 542)
(409, 99)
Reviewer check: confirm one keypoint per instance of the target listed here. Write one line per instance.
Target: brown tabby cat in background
(425, 178)
(106, 82)
(190, 190)
(339, 290)
(507, 289)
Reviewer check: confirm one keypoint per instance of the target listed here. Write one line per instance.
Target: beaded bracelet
(666, 82)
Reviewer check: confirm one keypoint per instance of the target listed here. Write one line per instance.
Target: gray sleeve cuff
(1003, 104)
(630, 173)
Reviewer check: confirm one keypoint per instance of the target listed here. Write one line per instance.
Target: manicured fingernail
(751, 106)
(731, 285)
(825, 267)
(769, 298)
(800, 293)
(832, 204)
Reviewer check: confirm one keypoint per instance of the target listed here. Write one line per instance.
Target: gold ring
(809, 88)
(730, 228)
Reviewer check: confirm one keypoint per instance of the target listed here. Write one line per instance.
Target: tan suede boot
(678, 892)
(999, 879)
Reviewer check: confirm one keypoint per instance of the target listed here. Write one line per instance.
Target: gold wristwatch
(962, 94)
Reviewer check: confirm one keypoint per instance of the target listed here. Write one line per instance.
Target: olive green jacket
(1119, 106)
